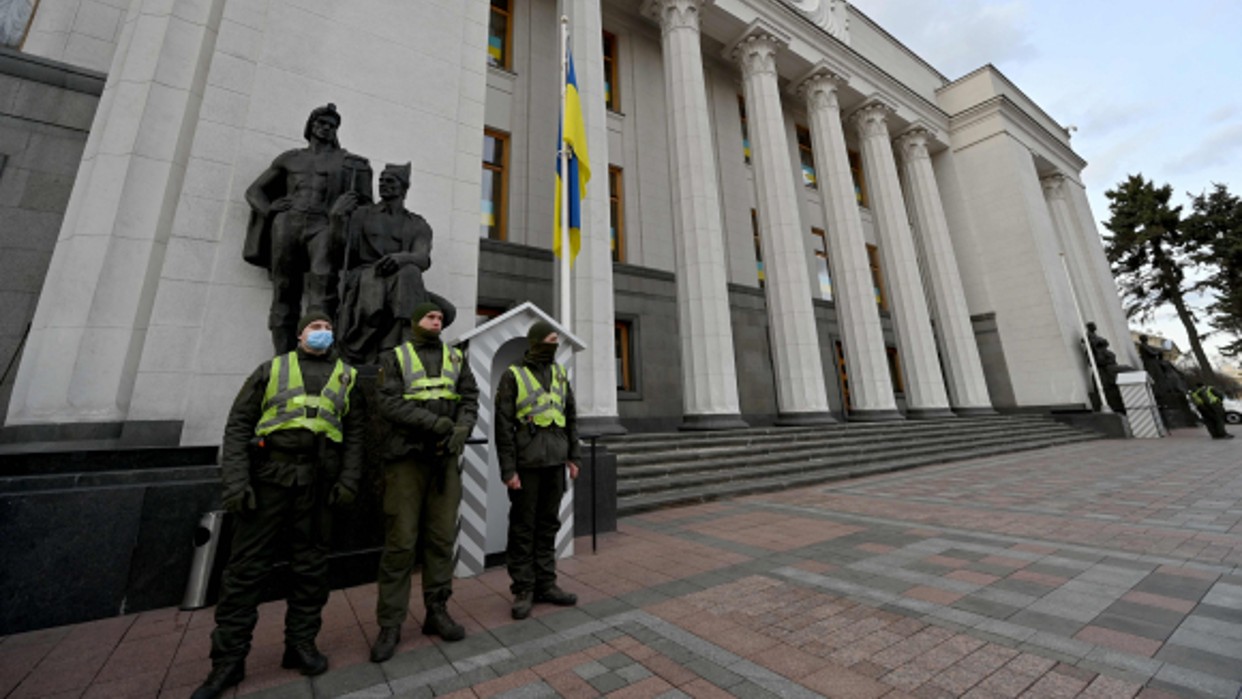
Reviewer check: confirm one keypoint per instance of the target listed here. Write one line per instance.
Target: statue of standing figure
(387, 250)
(1106, 364)
(289, 231)
(1168, 384)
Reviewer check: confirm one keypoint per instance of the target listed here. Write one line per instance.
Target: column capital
(675, 14)
(871, 119)
(820, 88)
(913, 143)
(755, 50)
(1054, 185)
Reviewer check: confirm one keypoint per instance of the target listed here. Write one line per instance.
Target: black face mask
(423, 336)
(542, 353)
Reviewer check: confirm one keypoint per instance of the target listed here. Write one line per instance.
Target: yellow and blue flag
(573, 136)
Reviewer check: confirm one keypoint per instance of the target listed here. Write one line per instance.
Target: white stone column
(862, 336)
(916, 345)
(1100, 274)
(800, 392)
(709, 373)
(595, 369)
(968, 390)
(89, 329)
(1075, 255)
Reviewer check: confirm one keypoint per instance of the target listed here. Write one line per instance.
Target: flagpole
(566, 311)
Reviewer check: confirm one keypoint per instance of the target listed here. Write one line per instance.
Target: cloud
(1218, 148)
(958, 37)
(1223, 113)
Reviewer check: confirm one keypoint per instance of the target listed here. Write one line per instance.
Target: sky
(1154, 88)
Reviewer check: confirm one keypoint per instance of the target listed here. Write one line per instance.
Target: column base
(874, 416)
(600, 425)
(974, 412)
(805, 419)
(929, 413)
(713, 422)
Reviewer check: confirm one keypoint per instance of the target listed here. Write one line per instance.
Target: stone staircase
(665, 469)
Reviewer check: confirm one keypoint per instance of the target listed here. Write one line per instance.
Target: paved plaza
(1104, 569)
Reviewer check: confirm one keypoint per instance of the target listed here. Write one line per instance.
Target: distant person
(537, 445)
(293, 448)
(1210, 405)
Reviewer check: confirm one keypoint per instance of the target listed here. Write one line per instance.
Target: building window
(741, 109)
(860, 184)
(754, 228)
(843, 376)
(820, 243)
(500, 34)
(495, 166)
(612, 93)
(623, 336)
(807, 154)
(15, 18)
(482, 314)
(894, 369)
(877, 279)
(616, 214)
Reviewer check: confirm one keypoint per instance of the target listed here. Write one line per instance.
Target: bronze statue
(1168, 385)
(1108, 368)
(387, 250)
(289, 232)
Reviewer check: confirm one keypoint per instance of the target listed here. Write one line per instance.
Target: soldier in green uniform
(1211, 408)
(429, 398)
(293, 447)
(536, 441)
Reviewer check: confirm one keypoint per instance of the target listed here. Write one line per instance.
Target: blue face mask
(319, 340)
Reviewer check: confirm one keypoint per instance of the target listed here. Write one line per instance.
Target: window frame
(616, 206)
(499, 207)
(806, 154)
(821, 252)
(610, 50)
(877, 276)
(760, 271)
(741, 108)
(506, 54)
(860, 178)
(894, 369)
(627, 328)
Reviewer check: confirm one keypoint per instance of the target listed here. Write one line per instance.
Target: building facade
(791, 219)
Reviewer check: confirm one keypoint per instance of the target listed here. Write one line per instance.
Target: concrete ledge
(713, 422)
(875, 416)
(601, 425)
(930, 414)
(1110, 425)
(974, 412)
(805, 419)
(48, 72)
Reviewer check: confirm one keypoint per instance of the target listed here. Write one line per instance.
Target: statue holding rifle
(289, 231)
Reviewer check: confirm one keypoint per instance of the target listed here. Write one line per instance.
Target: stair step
(105, 479)
(837, 440)
(681, 478)
(635, 504)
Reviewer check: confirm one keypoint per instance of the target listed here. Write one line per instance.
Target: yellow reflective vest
(542, 407)
(286, 403)
(417, 384)
(1206, 395)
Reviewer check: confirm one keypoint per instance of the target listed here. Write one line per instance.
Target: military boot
(557, 596)
(522, 603)
(305, 658)
(386, 644)
(220, 679)
(439, 623)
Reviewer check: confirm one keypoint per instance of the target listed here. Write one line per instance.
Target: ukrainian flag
(572, 136)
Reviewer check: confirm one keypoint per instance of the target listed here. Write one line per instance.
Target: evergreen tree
(1148, 250)
(1214, 229)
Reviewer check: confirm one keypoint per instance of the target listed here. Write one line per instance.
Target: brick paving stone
(842, 683)
(1159, 601)
(1104, 687)
(1054, 685)
(934, 595)
(1006, 682)
(970, 576)
(1119, 640)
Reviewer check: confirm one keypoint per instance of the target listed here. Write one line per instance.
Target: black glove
(457, 443)
(240, 501)
(442, 426)
(342, 495)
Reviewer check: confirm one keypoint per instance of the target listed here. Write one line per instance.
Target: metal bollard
(206, 540)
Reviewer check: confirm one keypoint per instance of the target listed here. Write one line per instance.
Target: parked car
(1233, 411)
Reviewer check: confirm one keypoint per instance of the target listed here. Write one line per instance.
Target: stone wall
(45, 112)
